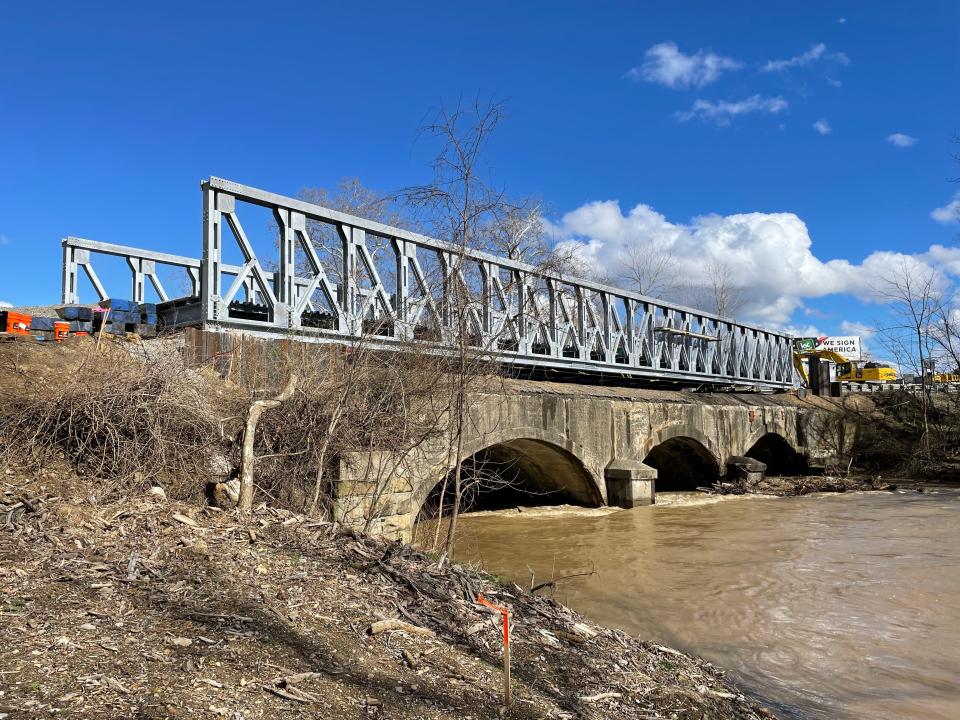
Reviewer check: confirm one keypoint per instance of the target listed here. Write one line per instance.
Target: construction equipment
(14, 323)
(871, 372)
(847, 370)
(946, 378)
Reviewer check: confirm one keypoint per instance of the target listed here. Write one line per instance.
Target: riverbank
(154, 609)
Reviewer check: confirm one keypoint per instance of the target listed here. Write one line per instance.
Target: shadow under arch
(518, 471)
(778, 455)
(682, 463)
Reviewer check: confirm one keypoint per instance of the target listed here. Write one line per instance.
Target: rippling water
(825, 606)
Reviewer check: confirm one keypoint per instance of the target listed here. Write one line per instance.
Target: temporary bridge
(338, 278)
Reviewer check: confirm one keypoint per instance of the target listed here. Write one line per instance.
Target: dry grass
(119, 420)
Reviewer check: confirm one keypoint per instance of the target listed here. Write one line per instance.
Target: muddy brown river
(825, 606)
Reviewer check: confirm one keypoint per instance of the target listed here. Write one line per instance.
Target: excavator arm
(822, 354)
(801, 370)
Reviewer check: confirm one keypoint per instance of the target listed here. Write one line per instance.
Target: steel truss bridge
(334, 277)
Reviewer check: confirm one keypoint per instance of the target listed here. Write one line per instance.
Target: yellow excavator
(847, 370)
(945, 378)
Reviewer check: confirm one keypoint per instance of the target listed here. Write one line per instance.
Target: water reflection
(827, 606)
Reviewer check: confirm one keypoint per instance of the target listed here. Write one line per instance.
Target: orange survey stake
(506, 645)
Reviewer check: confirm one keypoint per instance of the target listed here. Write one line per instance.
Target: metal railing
(338, 278)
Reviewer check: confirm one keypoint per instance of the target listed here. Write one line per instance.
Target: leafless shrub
(348, 399)
(116, 419)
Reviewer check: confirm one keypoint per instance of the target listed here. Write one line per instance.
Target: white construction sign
(848, 346)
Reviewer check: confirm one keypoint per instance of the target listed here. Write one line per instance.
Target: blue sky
(111, 114)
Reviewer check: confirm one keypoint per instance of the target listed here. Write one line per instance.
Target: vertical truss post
(212, 243)
(402, 251)
(523, 341)
(68, 286)
(136, 290)
(349, 285)
(553, 332)
(194, 275)
(609, 354)
(582, 323)
(446, 313)
(285, 283)
(486, 278)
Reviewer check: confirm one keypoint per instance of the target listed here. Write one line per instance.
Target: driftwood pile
(784, 486)
(153, 609)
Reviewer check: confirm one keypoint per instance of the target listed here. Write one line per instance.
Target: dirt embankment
(151, 609)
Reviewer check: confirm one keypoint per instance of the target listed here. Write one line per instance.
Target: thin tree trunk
(923, 394)
(458, 467)
(457, 493)
(436, 530)
(247, 458)
(321, 461)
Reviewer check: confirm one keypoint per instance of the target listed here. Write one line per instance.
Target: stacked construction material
(80, 318)
(119, 317)
(114, 316)
(48, 328)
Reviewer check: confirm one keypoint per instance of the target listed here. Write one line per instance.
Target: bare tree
(725, 293)
(462, 206)
(349, 401)
(651, 271)
(352, 197)
(946, 334)
(914, 294)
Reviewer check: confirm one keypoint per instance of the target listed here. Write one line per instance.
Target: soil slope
(151, 609)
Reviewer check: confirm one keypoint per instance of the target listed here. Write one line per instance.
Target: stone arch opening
(517, 472)
(682, 464)
(778, 455)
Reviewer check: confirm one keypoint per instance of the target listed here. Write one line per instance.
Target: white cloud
(4, 304)
(770, 255)
(822, 127)
(721, 111)
(665, 64)
(832, 82)
(949, 213)
(852, 327)
(815, 54)
(841, 20)
(4, 240)
(802, 330)
(901, 140)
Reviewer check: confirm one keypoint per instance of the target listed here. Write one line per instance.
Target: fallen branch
(388, 625)
(600, 696)
(553, 583)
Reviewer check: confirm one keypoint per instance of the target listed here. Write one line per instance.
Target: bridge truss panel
(340, 278)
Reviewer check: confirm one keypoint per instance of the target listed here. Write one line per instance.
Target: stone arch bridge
(596, 446)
